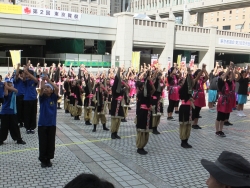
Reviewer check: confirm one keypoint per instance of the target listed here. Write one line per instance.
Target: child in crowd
(47, 121)
(8, 115)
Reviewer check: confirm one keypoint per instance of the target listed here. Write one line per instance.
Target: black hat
(229, 169)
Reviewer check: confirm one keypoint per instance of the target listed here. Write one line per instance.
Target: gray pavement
(78, 150)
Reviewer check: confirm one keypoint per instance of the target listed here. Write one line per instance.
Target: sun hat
(229, 169)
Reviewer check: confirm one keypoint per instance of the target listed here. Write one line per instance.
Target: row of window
(224, 19)
(237, 27)
(227, 11)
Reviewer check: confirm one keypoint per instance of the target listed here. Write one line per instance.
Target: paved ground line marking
(93, 141)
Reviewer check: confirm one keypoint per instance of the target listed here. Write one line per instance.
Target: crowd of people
(113, 92)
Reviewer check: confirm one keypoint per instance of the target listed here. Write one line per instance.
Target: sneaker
(21, 142)
(239, 114)
(211, 110)
(227, 123)
(242, 114)
(196, 127)
(217, 133)
(43, 165)
(222, 134)
(32, 132)
(142, 151)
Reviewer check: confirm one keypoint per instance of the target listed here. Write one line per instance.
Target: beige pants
(115, 124)
(142, 139)
(87, 114)
(156, 121)
(185, 129)
(79, 111)
(66, 104)
(97, 117)
(125, 110)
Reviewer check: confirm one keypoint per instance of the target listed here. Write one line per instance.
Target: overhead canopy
(142, 17)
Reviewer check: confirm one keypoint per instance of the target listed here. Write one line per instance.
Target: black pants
(171, 105)
(196, 112)
(20, 108)
(30, 112)
(46, 136)
(9, 123)
(222, 116)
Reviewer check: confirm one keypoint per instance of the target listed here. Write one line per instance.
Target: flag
(16, 57)
(179, 60)
(136, 60)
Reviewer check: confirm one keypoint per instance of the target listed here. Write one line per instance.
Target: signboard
(191, 63)
(154, 59)
(10, 9)
(51, 13)
(234, 42)
(169, 63)
(88, 64)
(183, 61)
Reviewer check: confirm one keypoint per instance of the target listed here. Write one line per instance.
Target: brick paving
(79, 150)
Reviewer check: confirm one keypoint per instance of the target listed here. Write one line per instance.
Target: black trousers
(20, 108)
(171, 105)
(46, 136)
(9, 123)
(30, 112)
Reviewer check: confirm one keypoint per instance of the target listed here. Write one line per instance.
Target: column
(123, 45)
(208, 57)
(200, 18)
(186, 17)
(168, 51)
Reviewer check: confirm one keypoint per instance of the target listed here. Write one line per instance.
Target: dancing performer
(66, 86)
(185, 110)
(99, 114)
(144, 113)
(88, 101)
(77, 109)
(173, 93)
(117, 112)
(200, 77)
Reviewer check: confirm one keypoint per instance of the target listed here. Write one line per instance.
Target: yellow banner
(179, 60)
(10, 9)
(136, 60)
(16, 57)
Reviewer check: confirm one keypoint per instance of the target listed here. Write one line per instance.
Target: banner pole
(8, 63)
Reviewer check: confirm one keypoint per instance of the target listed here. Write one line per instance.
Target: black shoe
(94, 130)
(171, 118)
(196, 127)
(21, 125)
(58, 108)
(123, 120)
(177, 112)
(116, 136)
(113, 136)
(200, 116)
(66, 111)
(28, 131)
(1, 143)
(222, 134)
(32, 132)
(48, 163)
(129, 108)
(43, 165)
(155, 131)
(142, 151)
(105, 128)
(87, 123)
(227, 123)
(21, 142)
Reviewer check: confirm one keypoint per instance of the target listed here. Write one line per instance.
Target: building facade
(96, 7)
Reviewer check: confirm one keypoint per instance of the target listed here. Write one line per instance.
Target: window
(237, 11)
(226, 27)
(212, 14)
(236, 17)
(243, 16)
(218, 19)
(239, 26)
(223, 19)
(230, 12)
(230, 17)
(218, 13)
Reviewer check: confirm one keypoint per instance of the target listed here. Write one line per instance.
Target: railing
(232, 34)
(192, 29)
(150, 23)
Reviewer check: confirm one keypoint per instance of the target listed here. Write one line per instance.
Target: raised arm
(31, 76)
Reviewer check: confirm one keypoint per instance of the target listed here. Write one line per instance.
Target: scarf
(13, 102)
(118, 89)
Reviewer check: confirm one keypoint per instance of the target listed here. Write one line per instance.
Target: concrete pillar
(186, 17)
(168, 51)
(171, 15)
(123, 45)
(200, 18)
(208, 57)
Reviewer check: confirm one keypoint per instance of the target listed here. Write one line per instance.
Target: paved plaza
(78, 150)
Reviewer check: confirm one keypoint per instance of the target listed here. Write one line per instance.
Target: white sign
(51, 13)
(234, 42)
